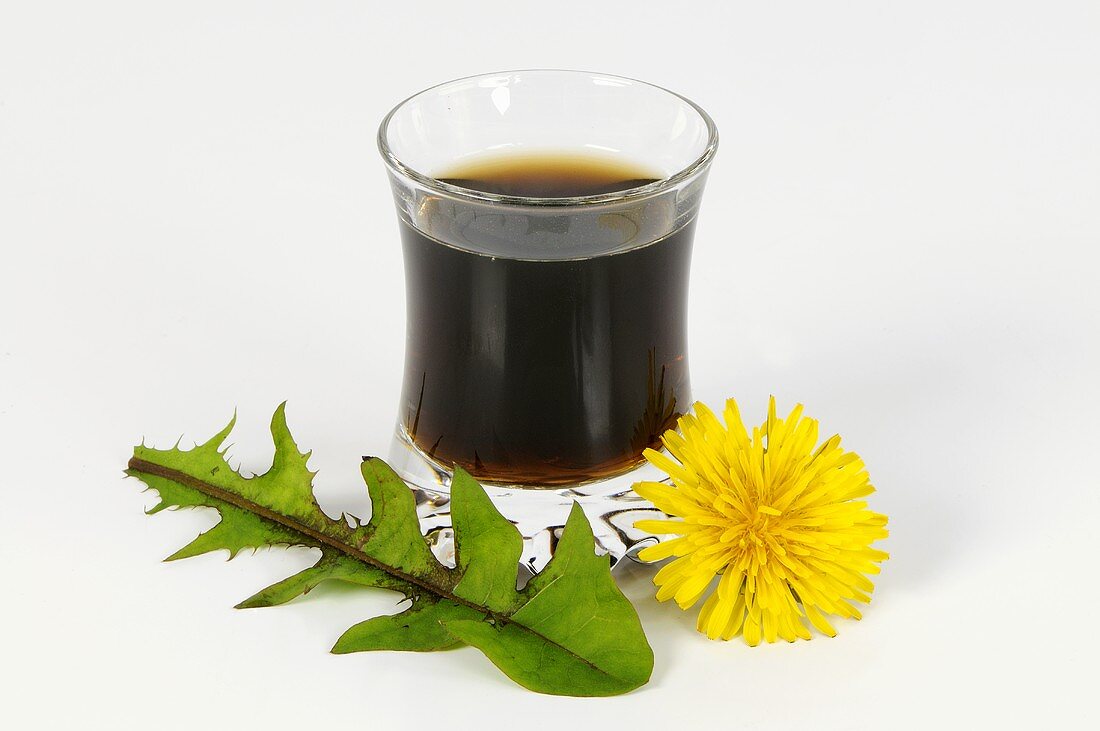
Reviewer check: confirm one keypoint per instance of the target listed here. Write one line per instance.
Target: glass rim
(700, 163)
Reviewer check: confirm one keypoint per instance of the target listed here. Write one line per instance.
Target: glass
(545, 336)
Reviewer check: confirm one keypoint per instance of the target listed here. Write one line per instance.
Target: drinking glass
(545, 337)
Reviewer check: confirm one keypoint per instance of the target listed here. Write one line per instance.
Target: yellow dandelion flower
(781, 522)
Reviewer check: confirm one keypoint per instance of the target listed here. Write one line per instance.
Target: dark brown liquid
(544, 372)
(548, 176)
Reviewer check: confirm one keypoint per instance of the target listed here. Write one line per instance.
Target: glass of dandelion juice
(547, 221)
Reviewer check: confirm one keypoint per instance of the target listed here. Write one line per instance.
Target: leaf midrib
(151, 468)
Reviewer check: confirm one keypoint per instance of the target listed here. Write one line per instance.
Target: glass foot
(539, 514)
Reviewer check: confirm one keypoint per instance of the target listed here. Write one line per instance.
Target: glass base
(539, 513)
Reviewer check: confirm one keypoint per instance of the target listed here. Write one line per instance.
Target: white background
(899, 231)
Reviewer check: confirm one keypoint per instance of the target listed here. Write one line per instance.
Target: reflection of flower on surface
(780, 521)
(660, 409)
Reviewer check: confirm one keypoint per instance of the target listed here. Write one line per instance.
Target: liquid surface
(544, 372)
(548, 175)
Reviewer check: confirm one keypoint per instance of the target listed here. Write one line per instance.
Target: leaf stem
(151, 468)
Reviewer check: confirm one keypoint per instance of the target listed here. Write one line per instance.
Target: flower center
(757, 537)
